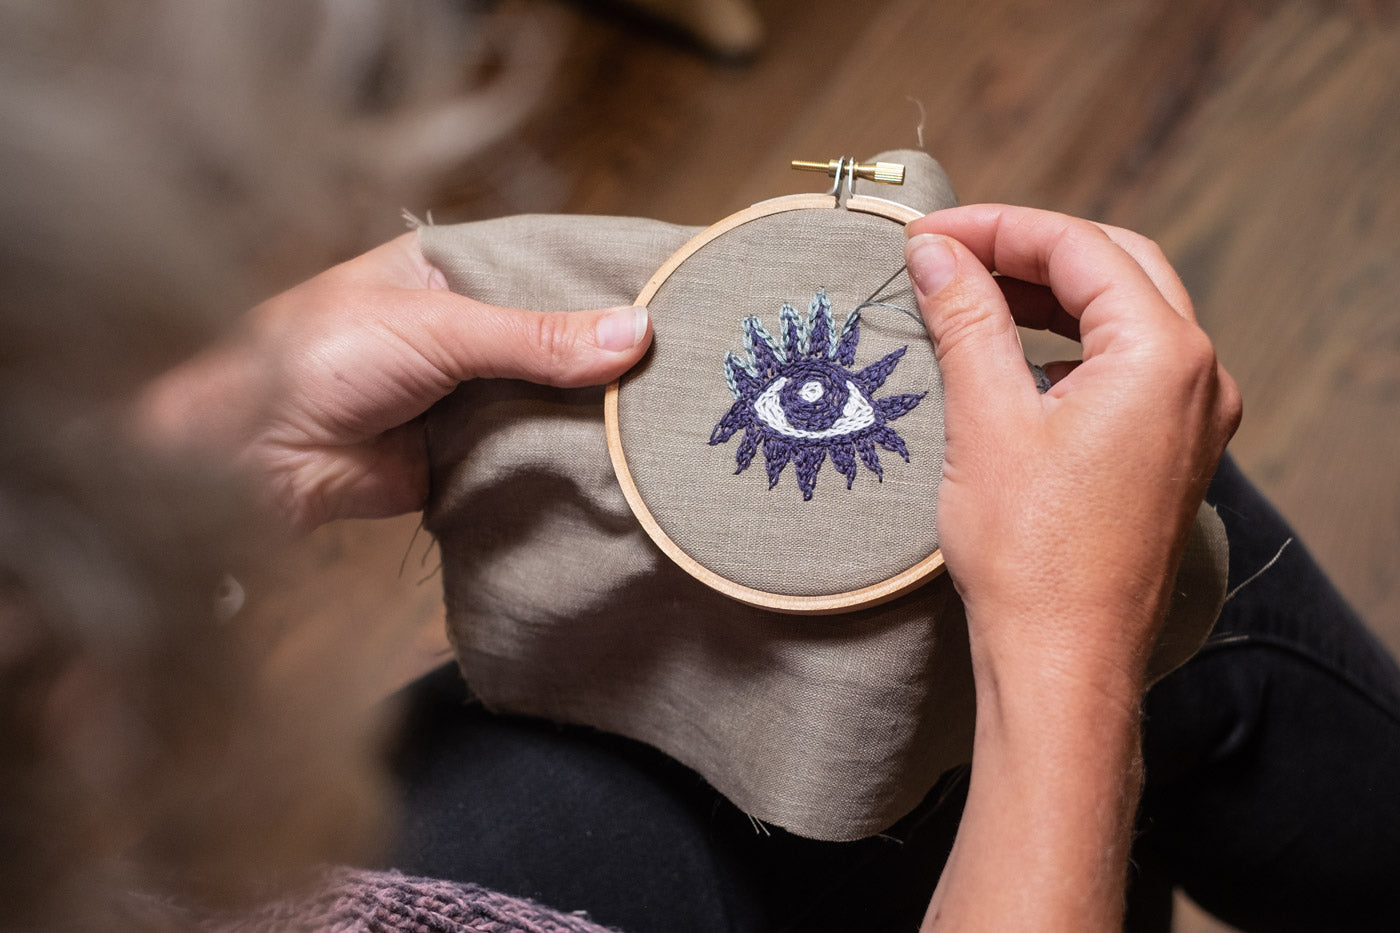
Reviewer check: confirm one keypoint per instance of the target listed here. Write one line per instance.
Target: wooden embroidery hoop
(873, 595)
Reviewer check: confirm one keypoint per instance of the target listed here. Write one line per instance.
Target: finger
(1154, 262)
(1082, 265)
(974, 336)
(564, 348)
(1036, 307)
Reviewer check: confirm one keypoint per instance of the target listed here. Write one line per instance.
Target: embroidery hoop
(883, 591)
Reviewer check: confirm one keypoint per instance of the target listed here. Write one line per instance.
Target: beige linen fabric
(560, 606)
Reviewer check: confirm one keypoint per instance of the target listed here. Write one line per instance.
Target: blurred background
(1257, 142)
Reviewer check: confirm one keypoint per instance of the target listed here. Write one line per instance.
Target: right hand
(1062, 516)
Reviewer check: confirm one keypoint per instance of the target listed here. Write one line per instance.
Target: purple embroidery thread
(800, 400)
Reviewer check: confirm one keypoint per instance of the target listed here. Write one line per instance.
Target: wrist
(1061, 656)
(1052, 723)
(1052, 715)
(1056, 775)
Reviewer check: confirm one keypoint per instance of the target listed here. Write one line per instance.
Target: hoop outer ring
(891, 588)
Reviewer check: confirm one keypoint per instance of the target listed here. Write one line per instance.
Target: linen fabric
(560, 606)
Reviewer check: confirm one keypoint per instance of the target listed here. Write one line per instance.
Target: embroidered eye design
(800, 399)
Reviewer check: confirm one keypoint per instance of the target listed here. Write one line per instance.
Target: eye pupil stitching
(798, 399)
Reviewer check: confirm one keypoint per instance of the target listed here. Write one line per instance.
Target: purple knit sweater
(388, 902)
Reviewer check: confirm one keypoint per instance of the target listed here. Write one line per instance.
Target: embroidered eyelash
(799, 399)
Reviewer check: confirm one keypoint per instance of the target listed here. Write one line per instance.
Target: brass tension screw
(887, 173)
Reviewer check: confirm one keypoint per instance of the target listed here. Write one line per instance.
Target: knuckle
(1152, 248)
(1204, 379)
(554, 341)
(1149, 254)
(1141, 246)
(1231, 402)
(1184, 360)
(1146, 244)
(1078, 229)
(958, 319)
(1076, 237)
(1198, 354)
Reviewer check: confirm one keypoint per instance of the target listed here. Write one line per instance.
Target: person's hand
(1062, 518)
(318, 396)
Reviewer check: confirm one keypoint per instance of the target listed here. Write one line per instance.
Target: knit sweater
(388, 902)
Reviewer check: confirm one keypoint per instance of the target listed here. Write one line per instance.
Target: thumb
(563, 348)
(974, 335)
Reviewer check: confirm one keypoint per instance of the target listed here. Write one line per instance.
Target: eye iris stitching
(802, 402)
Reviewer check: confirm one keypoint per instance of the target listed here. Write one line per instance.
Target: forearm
(1045, 834)
(1104, 472)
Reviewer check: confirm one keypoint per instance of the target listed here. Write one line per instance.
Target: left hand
(318, 396)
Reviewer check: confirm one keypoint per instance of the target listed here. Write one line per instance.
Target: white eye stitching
(857, 414)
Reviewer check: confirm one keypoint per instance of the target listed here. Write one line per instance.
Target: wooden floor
(1258, 142)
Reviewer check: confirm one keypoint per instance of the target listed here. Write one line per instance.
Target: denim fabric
(1273, 756)
(1272, 795)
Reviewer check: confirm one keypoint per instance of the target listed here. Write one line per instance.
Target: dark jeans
(1272, 795)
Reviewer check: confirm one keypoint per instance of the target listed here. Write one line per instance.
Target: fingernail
(931, 262)
(622, 328)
